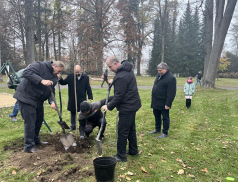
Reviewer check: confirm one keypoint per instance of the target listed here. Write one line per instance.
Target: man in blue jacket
(127, 101)
(163, 93)
(31, 94)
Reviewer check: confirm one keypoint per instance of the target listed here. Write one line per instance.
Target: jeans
(15, 110)
(158, 122)
(198, 81)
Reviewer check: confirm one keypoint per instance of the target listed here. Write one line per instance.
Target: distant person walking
(199, 78)
(163, 93)
(189, 89)
(105, 77)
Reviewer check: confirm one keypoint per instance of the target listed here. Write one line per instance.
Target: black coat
(164, 91)
(30, 90)
(126, 95)
(83, 89)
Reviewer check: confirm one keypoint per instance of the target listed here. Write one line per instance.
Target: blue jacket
(189, 89)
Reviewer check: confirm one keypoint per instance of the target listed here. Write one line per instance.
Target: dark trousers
(126, 131)
(33, 119)
(166, 120)
(72, 118)
(87, 127)
(188, 102)
(103, 82)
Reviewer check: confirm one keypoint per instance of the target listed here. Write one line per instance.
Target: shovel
(67, 139)
(98, 141)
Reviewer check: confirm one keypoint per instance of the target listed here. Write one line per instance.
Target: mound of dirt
(53, 163)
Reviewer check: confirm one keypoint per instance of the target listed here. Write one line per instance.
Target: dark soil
(53, 163)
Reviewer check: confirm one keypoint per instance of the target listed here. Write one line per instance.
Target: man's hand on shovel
(53, 106)
(104, 108)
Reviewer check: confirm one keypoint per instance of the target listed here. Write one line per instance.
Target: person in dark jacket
(105, 77)
(39, 79)
(127, 101)
(83, 89)
(199, 78)
(90, 116)
(163, 93)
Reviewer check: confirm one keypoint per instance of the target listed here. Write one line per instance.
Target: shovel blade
(99, 146)
(67, 140)
(63, 125)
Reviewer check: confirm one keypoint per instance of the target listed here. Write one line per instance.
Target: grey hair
(162, 66)
(113, 59)
(60, 64)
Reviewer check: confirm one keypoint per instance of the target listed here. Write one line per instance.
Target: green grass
(205, 136)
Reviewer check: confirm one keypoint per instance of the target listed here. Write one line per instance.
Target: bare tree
(222, 21)
(30, 47)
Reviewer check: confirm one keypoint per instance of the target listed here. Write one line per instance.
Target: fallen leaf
(171, 176)
(140, 152)
(198, 149)
(122, 176)
(149, 154)
(130, 173)
(145, 143)
(143, 169)
(228, 174)
(39, 173)
(123, 168)
(192, 143)
(181, 171)
(128, 179)
(14, 172)
(162, 148)
(205, 170)
(179, 160)
(150, 166)
(191, 176)
(137, 181)
(184, 165)
(172, 152)
(162, 159)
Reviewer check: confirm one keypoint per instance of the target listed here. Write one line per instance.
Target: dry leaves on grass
(180, 172)
(179, 160)
(191, 176)
(14, 172)
(143, 169)
(204, 170)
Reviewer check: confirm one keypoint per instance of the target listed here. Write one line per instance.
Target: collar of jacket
(125, 66)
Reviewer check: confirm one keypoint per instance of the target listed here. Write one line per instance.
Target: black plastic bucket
(104, 169)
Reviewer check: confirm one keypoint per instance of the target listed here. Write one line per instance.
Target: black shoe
(42, 143)
(118, 159)
(128, 153)
(86, 135)
(162, 136)
(154, 132)
(71, 129)
(32, 150)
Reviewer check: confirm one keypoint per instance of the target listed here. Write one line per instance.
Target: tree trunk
(30, 47)
(208, 34)
(163, 25)
(47, 53)
(221, 27)
(39, 29)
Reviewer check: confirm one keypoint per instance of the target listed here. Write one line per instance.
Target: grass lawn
(202, 143)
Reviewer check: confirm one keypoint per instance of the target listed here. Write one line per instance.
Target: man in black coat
(163, 93)
(83, 88)
(31, 94)
(127, 101)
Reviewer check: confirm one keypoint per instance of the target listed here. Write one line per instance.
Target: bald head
(77, 69)
(113, 63)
